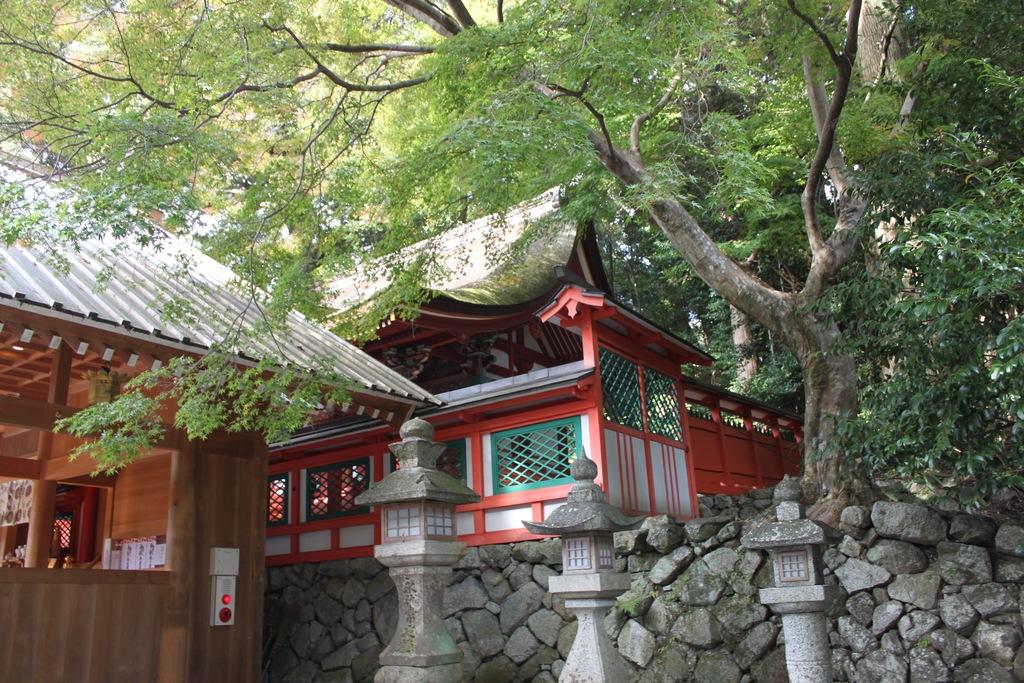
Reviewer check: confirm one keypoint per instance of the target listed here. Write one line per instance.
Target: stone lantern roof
(791, 528)
(585, 508)
(417, 477)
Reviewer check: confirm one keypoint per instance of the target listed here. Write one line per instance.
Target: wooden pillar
(181, 529)
(716, 414)
(40, 525)
(8, 540)
(85, 532)
(748, 427)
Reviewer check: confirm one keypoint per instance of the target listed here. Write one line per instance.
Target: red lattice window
(331, 490)
(62, 528)
(277, 499)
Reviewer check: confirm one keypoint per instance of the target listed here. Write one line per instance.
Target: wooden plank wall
(80, 625)
(731, 460)
(141, 497)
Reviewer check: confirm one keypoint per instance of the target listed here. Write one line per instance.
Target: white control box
(224, 561)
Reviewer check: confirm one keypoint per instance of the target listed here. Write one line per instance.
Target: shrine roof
(502, 259)
(171, 294)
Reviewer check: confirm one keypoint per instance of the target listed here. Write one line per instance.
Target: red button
(225, 599)
(225, 614)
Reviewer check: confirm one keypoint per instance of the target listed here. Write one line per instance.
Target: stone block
(973, 529)
(898, 557)
(521, 645)
(483, 632)
(1010, 540)
(698, 627)
(698, 585)
(856, 516)
(467, 594)
(670, 566)
(758, 641)
(636, 643)
(916, 625)
(908, 522)
(882, 666)
(855, 636)
(885, 616)
(663, 533)
(857, 575)
(546, 625)
(960, 563)
(982, 671)
(991, 598)
(998, 642)
(920, 590)
(958, 613)
(718, 666)
(861, 606)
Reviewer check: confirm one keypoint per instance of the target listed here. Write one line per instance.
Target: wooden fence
(88, 626)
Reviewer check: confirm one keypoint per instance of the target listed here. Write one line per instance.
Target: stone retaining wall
(926, 596)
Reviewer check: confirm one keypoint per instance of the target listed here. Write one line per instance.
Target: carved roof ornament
(585, 509)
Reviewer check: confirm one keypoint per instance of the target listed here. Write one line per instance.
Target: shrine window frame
(286, 507)
(312, 472)
(498, 465)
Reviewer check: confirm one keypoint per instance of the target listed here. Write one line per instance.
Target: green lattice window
(662, 405)
(534, 456)
(277, 499)
(452, 461)
(331, 490)
(620, 387)
(787, 435)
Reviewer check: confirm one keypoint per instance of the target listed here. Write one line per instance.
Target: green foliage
(203, 110)
(211, 394)
(939, 329)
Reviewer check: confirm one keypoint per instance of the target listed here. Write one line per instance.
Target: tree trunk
(830, 379)
(743, 341)
(830, 480)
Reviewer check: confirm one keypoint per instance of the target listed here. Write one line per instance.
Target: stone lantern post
(589, 583)
(798, 593)
(419, 545)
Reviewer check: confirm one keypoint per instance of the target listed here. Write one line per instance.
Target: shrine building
(532, 360)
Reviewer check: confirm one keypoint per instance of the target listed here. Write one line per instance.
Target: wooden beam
(19, 468)
(27, 412)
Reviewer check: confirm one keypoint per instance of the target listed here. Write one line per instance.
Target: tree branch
(338, 80)
(555, 91)
(431, 15)
(826, 126)
(825, 40)
(378, 47)
(744, 290)
(639, 121)
(461, 13)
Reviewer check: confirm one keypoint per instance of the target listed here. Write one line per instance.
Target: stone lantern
(798, 593)
(419, 545)
(589, 583)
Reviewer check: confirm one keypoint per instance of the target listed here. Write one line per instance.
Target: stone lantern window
(793, 566)
(419, 519)
(591, 553)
